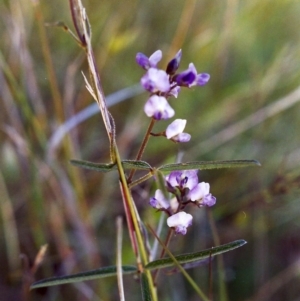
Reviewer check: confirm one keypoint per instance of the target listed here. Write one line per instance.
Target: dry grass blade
(119, 225)
(95, 89)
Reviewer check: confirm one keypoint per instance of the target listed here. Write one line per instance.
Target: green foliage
(84, 276)
(197, 256)
(251, 50)
(208, 165)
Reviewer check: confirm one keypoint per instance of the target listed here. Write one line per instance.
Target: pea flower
(180, 221)
(155, 80)
(159, 201)
(150, 62)
(158, 108)
(200, 194)
(189, 77)
(175, 133)
(182, 179)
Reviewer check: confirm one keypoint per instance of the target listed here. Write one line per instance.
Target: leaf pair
(128, 269)
(142, 165)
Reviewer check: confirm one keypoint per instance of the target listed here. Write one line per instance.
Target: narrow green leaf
(201, 165)
(104, 167)
(192, 257)
(89, 275)
(101, 167)
(146, 293)
(135, 164)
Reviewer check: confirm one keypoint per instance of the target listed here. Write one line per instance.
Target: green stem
(163, 252)
(220, 262)
(135, 219)
(142, 148)
(140, 180)
(182, 270)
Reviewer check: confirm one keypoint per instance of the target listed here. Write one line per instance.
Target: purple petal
(173, 65)
(146, 62)
(192, 178)
(172, 178)
(183, 179)
(153, 202)
(208, 200)
(182, 137)
(185, 78)
(202, 79)
(142, 60)
(159, 201)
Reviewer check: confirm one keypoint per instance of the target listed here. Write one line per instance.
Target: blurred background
(248, 110)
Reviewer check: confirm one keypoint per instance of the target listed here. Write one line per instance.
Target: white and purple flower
(197, 192)
(155, 80)
(189, 77)
(200, 194)
(180, 221)
(158, 108)
(150, 62)
(182, 179)
(175, 133)
(159, 201)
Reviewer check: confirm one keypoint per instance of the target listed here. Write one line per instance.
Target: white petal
(180, 219)
(175, 128)
(155, 58)
(199, 192)
(162, 201)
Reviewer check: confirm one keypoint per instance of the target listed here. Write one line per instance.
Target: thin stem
(74, 12)
(119, 227)
(130, 225)
(142, 148)
(140, 180)
(163, 252)
(220, 262)
(135, 219)
(210, 279)
(182, 270)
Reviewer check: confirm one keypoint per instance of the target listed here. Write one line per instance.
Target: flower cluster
(183, 185)
(164, 84)
(186, 189)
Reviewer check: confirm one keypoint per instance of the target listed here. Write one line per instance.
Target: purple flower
(159, 201)
(158, 108)
(182, 179)
(189, 77)
(175, 131)
(150, 62)
(180, 221)
(155, 81)
(200, 194)
(173, 65)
